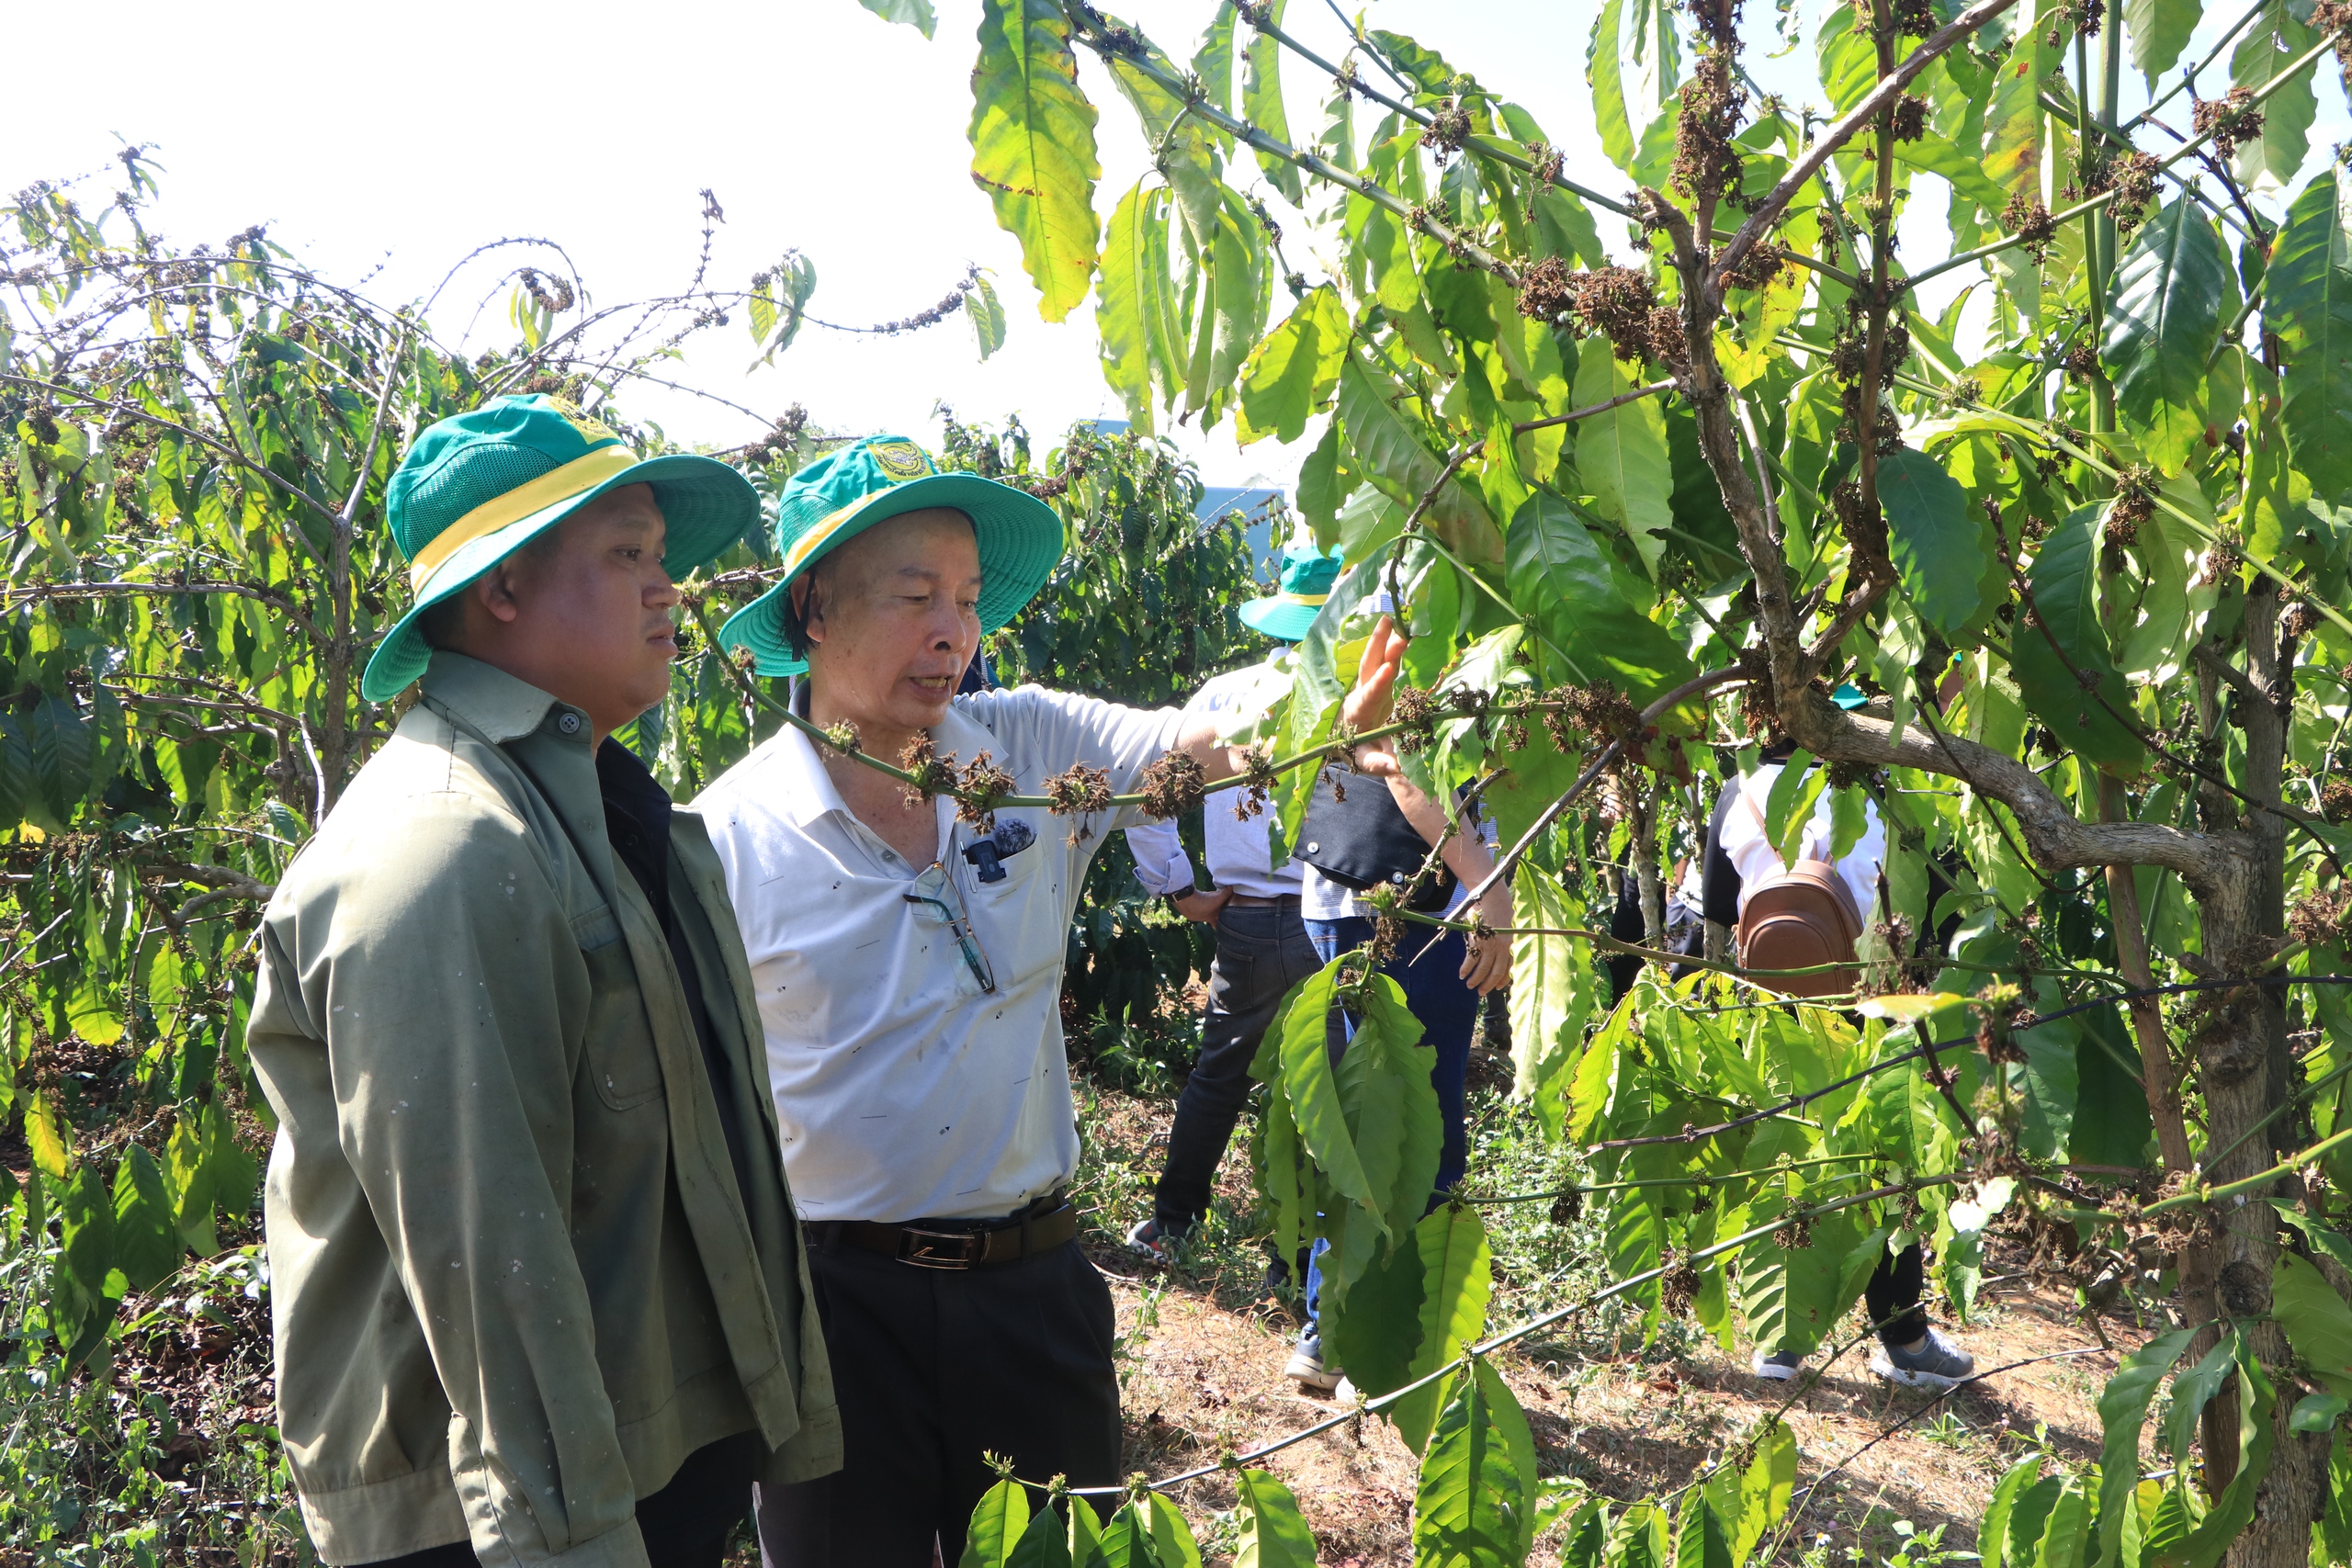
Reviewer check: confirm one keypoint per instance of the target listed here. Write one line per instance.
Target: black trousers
(1261, 953)
(1892, 1297)
(932, 1368)
(685, 1524)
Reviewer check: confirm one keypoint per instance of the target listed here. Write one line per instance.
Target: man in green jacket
(537, 1290)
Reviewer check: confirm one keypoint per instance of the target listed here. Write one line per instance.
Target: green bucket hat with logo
(843, 493)
(1309, 575)
(477, 487)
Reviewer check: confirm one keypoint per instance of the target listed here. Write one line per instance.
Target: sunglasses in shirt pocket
(620, 1054)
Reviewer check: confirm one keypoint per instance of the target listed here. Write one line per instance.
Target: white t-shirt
(903, 1090)
(1241, 852)
(1753, 857)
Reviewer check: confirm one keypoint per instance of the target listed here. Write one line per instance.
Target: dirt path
(1204, 1347)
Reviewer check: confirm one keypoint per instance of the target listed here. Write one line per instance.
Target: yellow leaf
(50, 1139)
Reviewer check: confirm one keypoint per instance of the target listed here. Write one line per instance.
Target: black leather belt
(986, 1245)
(1254, 901)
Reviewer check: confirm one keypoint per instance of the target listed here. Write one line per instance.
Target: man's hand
(1203, 908)
(1487, 965)
(1368, 706)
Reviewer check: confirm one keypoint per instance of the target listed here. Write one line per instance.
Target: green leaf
(1127, 295)
(1606, 77)
(1552, 995)
(1622, 454)
(1793, 1298)
(2316, 1321)
(1085, 1535)
(999, 1521)
(1938, 551)
(1292, 374)
(146, 1231)
(48, 1135)
(85, 1215)
(1389, 444)
(1171, 1539)
(2067, 1531)
(2308, 303)
(915, 13)
(1553, 565)
(1392, 1119)
(986, 315)
(1045, 1544)
(2317, 1412)
(59, 746)
(1273, 1533)
(1473, 1503)
(2233, 1510)
(1032, 146)
(1414, 1312)
(2170, 296)
(1700, 1540)
(1300, 1036)
(2122, 1412)
(1637, 1539)
(236, 1175)
(1261, 104)
(2159, 30)
(1993, 1537)
(2064, 581)
(2269, 162)
(187, 1177)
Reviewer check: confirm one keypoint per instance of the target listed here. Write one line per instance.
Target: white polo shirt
(903, 1090)
(1241, 852)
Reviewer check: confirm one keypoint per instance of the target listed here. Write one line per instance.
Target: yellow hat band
(575, 478)
(810, 543)
(1302, 598)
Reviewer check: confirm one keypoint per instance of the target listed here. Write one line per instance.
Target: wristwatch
(1187, 891)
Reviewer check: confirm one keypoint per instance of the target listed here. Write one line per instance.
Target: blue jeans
(1446, 1009)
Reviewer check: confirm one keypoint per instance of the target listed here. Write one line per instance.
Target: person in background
(1262, 948)
(908, 968)
(1739, 858)
(537, 1290)
(1442, 978)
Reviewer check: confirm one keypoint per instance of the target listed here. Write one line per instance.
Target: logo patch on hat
(589, 431)
(903, 460)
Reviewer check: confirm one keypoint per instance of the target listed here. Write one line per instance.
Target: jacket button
(569, 724)
(1315, 849)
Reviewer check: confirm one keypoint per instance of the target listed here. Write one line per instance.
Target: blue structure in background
(1253, 502)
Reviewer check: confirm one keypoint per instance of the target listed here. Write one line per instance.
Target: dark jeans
(1893, 1296)
(1261, 953)
(685, 1524)
(1431, 974)
(935, 1367)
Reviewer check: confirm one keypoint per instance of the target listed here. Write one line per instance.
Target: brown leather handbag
(1799, 917)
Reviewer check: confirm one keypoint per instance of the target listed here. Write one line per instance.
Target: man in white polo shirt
(907, 965)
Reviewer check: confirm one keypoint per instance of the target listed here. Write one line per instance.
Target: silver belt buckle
(938, 1249)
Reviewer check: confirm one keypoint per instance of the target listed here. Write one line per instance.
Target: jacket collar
(501, 707)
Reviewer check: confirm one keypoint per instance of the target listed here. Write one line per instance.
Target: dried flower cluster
(2030, 221)
(1448, 128)
(2233, 118)
(550, 294)
(1707, 166)
(927, 775)
(980, 790)
(1079, 792)
(2322, 917)
(2134, 503)
(1171, 787)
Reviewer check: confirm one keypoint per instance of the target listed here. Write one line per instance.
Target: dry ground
(1203, 1346)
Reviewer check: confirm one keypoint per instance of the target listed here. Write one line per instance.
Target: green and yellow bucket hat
(1308, 577)
(477, 487)
(843, 493)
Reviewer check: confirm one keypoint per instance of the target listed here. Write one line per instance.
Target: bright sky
(397, 140)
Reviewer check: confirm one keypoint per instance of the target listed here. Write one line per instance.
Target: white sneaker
(1937, 1364)
(1306, 1368)
(1781, 1366)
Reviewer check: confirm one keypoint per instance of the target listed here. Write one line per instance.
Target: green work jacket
(512, 1280)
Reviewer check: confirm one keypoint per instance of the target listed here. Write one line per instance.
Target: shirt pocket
(619, 1046)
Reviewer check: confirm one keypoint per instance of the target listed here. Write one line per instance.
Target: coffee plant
(2063, 489)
